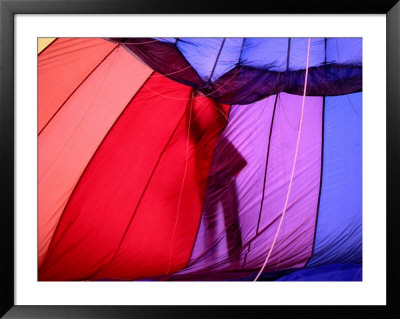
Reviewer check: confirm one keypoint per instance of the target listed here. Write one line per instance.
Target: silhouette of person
(227, 164)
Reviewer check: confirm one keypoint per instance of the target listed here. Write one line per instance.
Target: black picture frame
(8, 8)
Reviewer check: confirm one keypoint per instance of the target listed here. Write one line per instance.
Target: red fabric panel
(127, 218)
(70, 139)
(61, 69)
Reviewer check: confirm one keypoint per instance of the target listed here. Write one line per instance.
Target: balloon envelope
(200, 159)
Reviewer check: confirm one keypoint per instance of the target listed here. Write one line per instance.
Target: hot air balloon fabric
(200, 159)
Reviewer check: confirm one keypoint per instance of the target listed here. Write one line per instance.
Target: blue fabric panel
(201, 53)
(269, 53)
(298, 53)
(339, 225)
(169, 40)
(229, 56)
(344, 50)
(333, 272)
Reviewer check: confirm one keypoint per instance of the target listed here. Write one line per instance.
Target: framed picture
(209, 173)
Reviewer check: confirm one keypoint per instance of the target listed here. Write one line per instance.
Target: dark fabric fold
(245, 84)
(164, 57)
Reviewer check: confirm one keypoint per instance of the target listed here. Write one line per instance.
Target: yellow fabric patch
(43, 43)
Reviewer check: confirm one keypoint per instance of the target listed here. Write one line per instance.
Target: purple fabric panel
(294, 242)
(233, 236)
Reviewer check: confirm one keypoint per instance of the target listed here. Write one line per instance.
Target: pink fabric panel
(62, 68)
(68, 142)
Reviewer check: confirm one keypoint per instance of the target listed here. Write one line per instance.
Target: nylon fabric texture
(200, 159)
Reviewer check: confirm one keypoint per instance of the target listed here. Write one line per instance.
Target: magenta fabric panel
(293, 247)
(231, 213)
